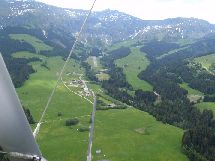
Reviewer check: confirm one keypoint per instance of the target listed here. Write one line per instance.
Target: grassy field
(26, 54)
(36, 43)
(171, 52)
(184, 42)
(190, 90)
(132, 65)
(120, 44)
(95, 63)
(103, 76)
(206, 105)
(206, 61)
(132, 135)
(193, 94)
(56, 141)
(98, 68)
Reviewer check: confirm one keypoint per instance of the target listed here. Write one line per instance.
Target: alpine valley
(154, 82)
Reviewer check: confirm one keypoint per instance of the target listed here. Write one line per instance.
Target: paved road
(89, 155)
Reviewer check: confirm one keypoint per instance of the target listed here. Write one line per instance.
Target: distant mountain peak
(106, 26)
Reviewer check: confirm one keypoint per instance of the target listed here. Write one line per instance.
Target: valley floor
(132, 135)
(119, 135)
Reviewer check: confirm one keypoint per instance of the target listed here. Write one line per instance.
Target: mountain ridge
(104, 27)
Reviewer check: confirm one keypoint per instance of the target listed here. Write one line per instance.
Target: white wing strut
(16, 137)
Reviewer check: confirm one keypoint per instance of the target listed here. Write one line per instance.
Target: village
(79, 83)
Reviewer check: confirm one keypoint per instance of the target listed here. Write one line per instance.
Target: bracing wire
(36, 131)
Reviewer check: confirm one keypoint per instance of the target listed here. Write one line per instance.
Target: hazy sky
(148, 9)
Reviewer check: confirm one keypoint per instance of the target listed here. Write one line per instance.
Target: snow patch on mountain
(107, 26)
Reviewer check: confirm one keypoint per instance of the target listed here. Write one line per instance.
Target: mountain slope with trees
(104, 27)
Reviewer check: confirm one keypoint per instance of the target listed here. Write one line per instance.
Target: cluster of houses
(82, 85)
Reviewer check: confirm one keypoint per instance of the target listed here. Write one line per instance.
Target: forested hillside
(18, 39)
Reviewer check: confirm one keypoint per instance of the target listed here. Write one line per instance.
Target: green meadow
(120, 44)
(95, 63)
(97, 67)
(56, 141)
(207, 106)
(132, 65)
(171, 52)
(190, 90)
(193, 94)
(35, 42)
(206, 61)
(133, 135)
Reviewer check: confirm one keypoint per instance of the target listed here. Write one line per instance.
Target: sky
(147, 9)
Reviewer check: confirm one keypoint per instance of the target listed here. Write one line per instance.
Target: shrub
(83, 129)
(59, 114)
(71, 122)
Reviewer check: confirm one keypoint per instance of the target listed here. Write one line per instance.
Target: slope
(57, 141)
(132, 65)
(207, 62)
